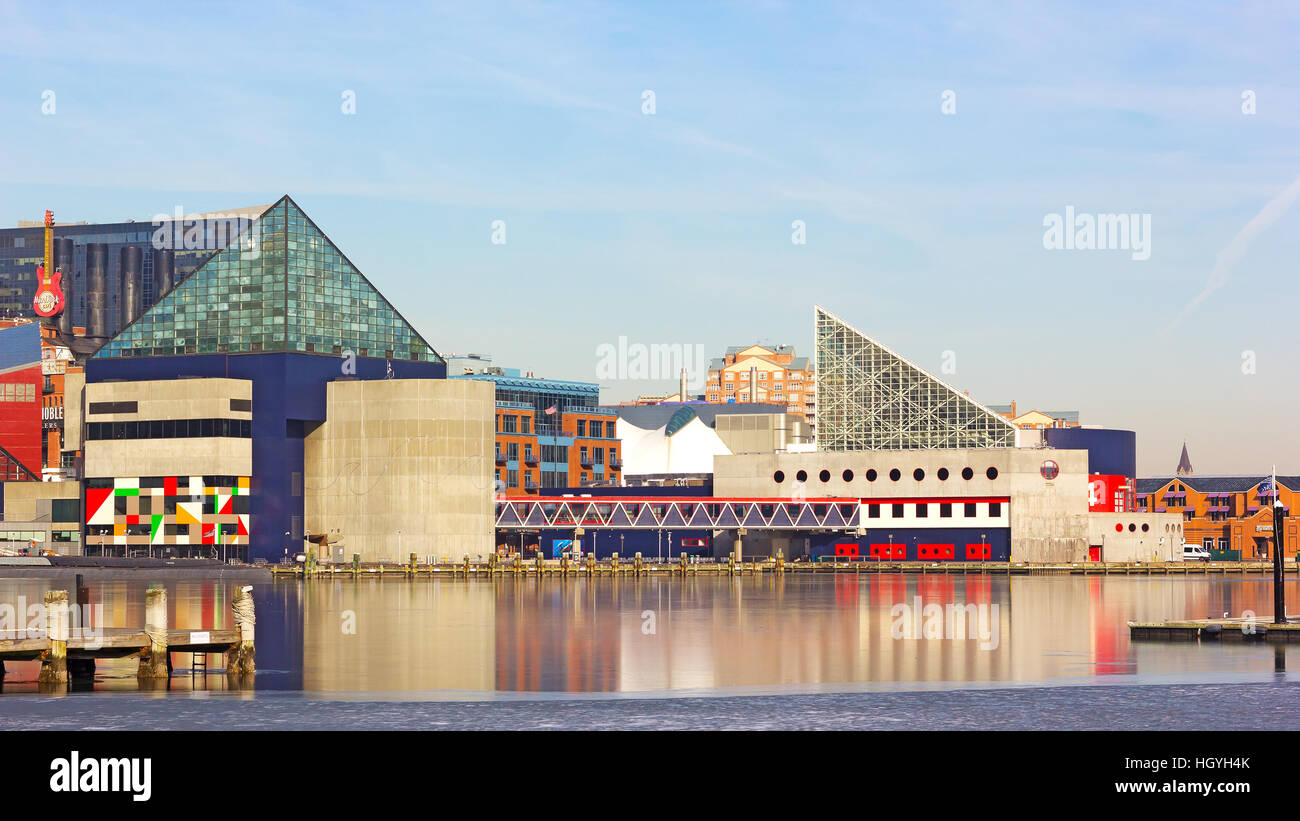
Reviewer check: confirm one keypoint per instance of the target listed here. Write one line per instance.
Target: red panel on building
(934, 551)
(20, 416)
(976, 552)
(849, 550)
(1107, 493)
(888, 551)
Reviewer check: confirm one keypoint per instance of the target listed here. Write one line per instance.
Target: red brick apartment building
(1232, 513)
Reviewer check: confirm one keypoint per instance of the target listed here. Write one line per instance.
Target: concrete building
(39, 518)
(401, 466)
(1028, 505)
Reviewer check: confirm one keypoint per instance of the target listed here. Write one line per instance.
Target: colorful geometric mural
(169, 510)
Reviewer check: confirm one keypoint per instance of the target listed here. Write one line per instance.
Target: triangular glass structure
(619, 517)
(673, 517)
(281, 285)
(780, 518)
(700, 518)
(752, 517)
(507, 517)
(870, 398)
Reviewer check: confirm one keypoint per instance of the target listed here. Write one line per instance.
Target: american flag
(550, 410)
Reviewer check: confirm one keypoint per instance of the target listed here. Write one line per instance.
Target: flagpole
(1279, 593)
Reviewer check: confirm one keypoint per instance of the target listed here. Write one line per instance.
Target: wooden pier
(512, 566)
(68, 650)
(1226, 630)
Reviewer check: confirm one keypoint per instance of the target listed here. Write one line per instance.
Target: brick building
(1228, 513)
(764, 375)
(549, 432)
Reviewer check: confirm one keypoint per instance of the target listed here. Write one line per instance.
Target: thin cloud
(1229, 256)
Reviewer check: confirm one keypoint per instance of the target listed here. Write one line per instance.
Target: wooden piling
(613, 563)
(683, 564)
(154, 658)
(54, 661)
(636, 564)
(591, 565)
(780, 560)
(465, 564)
(356, 563)
(731, 563)
(541, 563)
(240, 658)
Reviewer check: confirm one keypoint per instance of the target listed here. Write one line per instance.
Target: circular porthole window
(1145, 527)
(992, 473)
(1131, 527)
(802, 476)
(847, 476)
(778, 477)
(942, 473)
(1050, 470)
(895, 475)
(871, 474)
(825, 476)
(918, 474)
(967, 473)
(1119, 528)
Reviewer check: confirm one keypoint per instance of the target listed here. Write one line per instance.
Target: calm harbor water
(753, 651)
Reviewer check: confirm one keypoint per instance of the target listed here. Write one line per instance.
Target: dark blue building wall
(626, 542)
(288, 402)
(1109, 451)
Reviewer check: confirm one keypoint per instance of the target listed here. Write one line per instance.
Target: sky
(923, 148)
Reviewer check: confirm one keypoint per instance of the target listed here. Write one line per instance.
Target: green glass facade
(281, 286)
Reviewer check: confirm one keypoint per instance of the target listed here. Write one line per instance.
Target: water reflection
(449, 638)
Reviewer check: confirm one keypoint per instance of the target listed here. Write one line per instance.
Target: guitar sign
(49, 293)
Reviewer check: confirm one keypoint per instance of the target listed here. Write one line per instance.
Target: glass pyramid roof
(870, 398)
(281, 285)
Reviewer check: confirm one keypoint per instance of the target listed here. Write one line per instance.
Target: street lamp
(286, 549)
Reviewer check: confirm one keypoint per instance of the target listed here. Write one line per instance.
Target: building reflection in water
(455, 638)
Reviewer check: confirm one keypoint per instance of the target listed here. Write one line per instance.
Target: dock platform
(1227, 630)
(509, 567)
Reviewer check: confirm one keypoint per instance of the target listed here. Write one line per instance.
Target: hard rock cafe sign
(49, 293)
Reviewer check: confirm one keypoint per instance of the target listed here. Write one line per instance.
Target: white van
(1196, 553)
